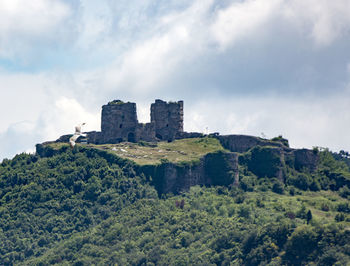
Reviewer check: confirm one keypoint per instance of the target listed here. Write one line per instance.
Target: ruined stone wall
(119, 122)
(146, 132)
(243, 143)
(168, 119)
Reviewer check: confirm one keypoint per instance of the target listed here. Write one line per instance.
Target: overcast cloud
(271, 67)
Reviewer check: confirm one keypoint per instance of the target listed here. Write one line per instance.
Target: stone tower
(167, 119)
(119, 122)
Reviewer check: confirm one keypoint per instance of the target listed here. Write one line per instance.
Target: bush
(301, 244)
(325, 207)
(344, 192)
(302, 181)
(315, 186)
(339, 217)
(278, 188)
(344, 207)
(265, 161)
(244, 211)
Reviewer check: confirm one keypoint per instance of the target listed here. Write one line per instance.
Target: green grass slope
(143, 153)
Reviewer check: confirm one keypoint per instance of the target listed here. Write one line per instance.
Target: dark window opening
(121, 125)
(167, 125)
(158, 136)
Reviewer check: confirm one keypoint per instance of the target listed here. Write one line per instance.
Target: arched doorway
(131, 137)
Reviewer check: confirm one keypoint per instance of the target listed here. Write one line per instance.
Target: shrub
(278, 188)
(325, 207)
(290, 215)
(302, 181)
(344, 192)
(244, 211)
(301, 244)
(315, 186)
(339, 217)
(344, 207)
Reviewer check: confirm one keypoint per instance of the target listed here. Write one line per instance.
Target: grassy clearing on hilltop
(143, 153)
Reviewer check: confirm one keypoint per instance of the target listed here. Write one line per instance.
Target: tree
(308, 217)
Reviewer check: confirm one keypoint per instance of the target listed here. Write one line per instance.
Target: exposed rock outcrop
(219, 168)
(304, 158)
(270, 160)
(243, 143)
(266, 162)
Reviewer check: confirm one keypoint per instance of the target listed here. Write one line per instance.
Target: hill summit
(189, 158)
(180, 199)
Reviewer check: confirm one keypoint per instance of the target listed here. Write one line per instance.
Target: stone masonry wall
(119, 122)
(168, 119)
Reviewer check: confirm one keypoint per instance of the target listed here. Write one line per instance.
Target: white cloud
(306, 122)
(322, 20)
(193, 50)
(59, 119)
(26, 24)
(95, 24)
(31, 17)
(23, 97)
(64, 116)
(242, 19)
(150, 61)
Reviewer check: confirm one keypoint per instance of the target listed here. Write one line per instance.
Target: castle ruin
(119, 123)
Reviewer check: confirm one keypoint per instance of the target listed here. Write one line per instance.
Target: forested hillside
(80, 206)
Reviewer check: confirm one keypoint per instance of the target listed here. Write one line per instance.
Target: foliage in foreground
(77, 207)
(212, 228)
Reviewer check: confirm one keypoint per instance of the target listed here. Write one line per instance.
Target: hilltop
(152, 194)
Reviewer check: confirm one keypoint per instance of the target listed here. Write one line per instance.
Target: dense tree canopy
(79, 207)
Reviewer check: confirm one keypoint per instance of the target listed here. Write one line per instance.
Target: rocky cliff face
(305, 158)
(219, 168)
(268, 157)
(264, 158)
(266, 162)
(243, 143)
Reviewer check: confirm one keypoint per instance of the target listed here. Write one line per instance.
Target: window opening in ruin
(158, 136)
(167, 125)
(121, 125)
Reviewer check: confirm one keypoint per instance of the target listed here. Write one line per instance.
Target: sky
(256, 67)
